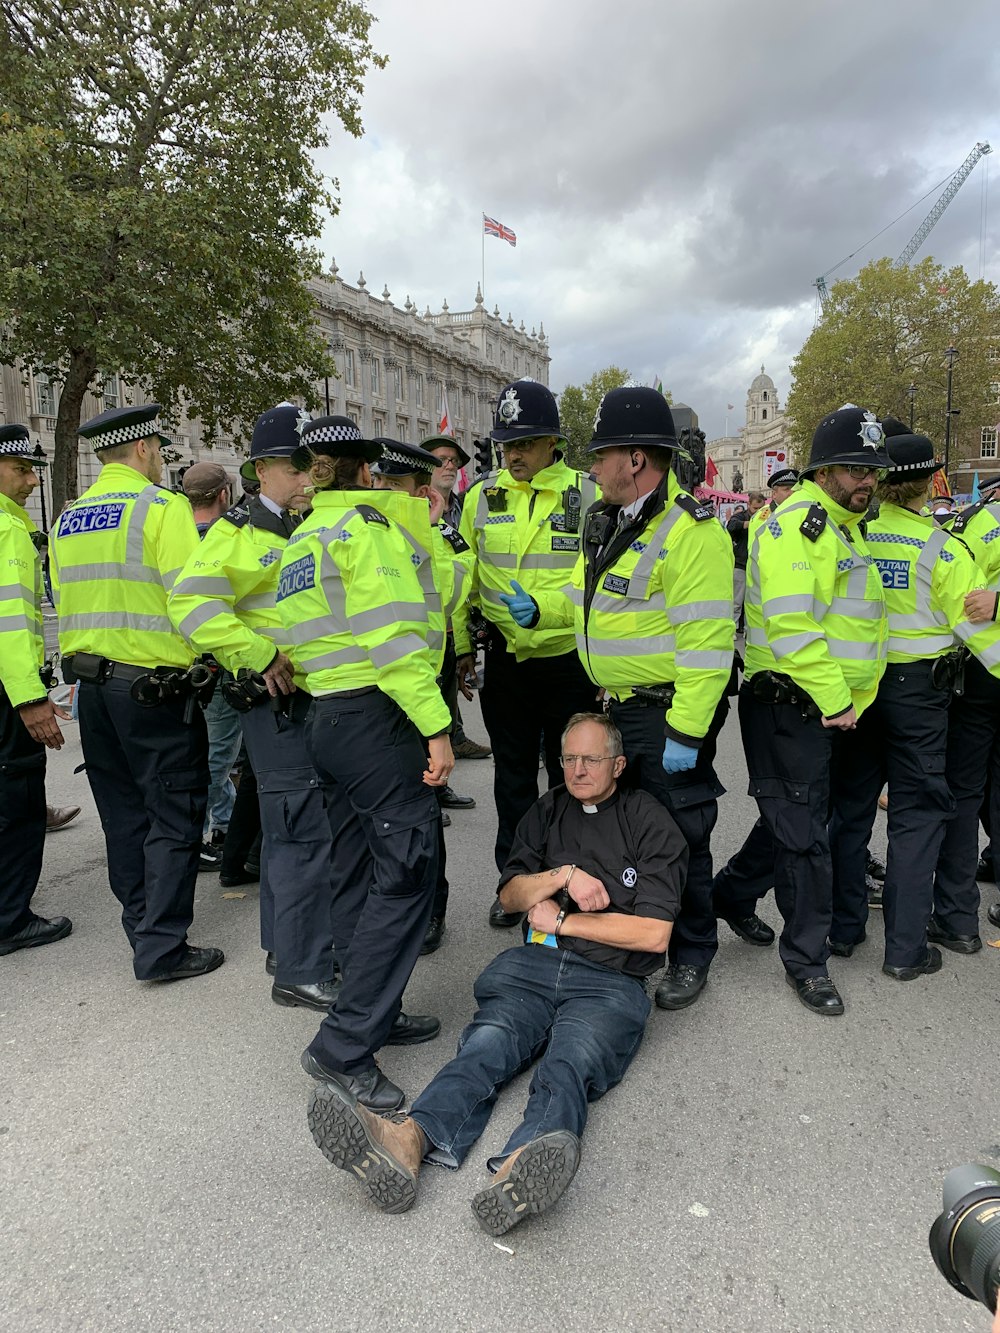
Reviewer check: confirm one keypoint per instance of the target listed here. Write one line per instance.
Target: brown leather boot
(529, 1181)
(383, 1155)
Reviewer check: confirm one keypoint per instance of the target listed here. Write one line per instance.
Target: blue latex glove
(678, 758)
(523, 608)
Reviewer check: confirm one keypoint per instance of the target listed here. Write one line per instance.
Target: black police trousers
(901, 737)
(789, 760)
(522, 702)
(692, 800)
(22, 818)
(973, 756)
(148, 770)
(297, 846)
(386, 822)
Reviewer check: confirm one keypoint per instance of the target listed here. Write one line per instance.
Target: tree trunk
(65, 469)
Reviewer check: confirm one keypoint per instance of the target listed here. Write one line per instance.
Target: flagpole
(482, 228)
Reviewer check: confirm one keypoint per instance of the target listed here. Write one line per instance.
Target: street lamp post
(39, 454)
(951, 356)
(326, 392)
(912, 391)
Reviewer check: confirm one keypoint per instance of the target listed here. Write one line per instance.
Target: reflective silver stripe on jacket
(384, 654)
(109, 569)
(331, 660)
(382, 617)
(203, 585)
(129, 620)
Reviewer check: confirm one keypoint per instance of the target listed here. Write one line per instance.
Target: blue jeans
(224, 738)
(584, 1021)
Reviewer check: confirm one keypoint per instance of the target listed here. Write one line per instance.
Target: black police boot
(310, 995)
(986, 870)
(450, 800)
(875, 868)
(993, 914)
(270, 966)
(751, 929)
(818, 994)
(498, 917)
(841, 950)
(434, 936)
(681, 986)
(412, 1029)
(937, 934)
(371, 1088)
(932, 963)
(195, 963)
(38, 931)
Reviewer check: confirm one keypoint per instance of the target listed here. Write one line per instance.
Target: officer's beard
(855, 500)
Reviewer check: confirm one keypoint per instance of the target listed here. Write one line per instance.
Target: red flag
(941, 486)
(711, 472)
(445, 425)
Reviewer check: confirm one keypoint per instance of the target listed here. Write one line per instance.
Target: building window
(503, 356)
(993, 354)
(397, 375)
(402, 428)
(995, 392)
(378, 426)
(764, 396)
(763, 412)
(418, 385)
(490, 351)
(350, 375)
(45, 395)
(376, 375)
(111, 392)
(988, 442)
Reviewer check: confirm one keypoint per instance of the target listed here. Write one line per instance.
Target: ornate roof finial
(409, 304)
(427, 313)
(496, 312)
(385, 293)
(444, 305)
(361, 280)
(334, 270)
(479, 294)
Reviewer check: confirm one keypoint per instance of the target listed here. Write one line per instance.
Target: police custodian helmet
(526, 410)
(633, 414)
(847, 438)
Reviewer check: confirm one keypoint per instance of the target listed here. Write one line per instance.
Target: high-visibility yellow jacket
(521, 530)
(113, 556)
(814, 608)
(926, 574)
(654, 606)
(978, 526)
(224, 599)
(22, 643)
(352, 596)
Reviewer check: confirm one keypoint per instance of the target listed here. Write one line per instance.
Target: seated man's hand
(980, 605)
(678, 758)
(587, 891)
(522, 607)
(543, 916)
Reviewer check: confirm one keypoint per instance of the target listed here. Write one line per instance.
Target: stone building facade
(395, 368)
(766, 435)
(727, 454)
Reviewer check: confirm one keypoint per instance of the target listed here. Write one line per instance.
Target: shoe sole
(340, 1135)
(37, 943)
(536, 1180)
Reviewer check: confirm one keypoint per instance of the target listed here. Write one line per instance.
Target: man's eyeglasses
(589, 761)
(858, 472)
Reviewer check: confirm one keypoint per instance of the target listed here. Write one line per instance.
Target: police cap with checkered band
(335, 437)
(912, 456)
(121, 425)
(786, 477)
(635, 415)
(15, 442)
(404, 460)
(849, 437)
(276, 434)
(526, 410)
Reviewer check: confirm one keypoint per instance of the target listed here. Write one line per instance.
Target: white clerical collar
(268, 503)
(630, 511)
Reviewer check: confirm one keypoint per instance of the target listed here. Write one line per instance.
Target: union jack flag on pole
(493, 228)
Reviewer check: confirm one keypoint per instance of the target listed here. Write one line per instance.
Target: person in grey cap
(224, 602)
(114, 555)
(28, 724)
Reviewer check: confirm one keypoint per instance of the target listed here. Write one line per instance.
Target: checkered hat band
(330, 434)
(928, 465)
(405, 460)
(139, 430)
(15, 448)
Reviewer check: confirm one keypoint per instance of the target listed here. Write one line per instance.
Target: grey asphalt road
(759, 1168)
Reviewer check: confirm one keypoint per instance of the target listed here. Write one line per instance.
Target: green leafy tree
(578, 406)
(159, 196)
(889, 327)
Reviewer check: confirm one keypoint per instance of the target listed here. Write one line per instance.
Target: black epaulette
(453, 537)
(964, 517)
(238, 515)
(814, 522)
(690, 505)
(371, 515)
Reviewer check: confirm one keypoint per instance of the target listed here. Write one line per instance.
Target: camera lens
(965, 1239)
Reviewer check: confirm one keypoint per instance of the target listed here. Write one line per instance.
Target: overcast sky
(677, 175)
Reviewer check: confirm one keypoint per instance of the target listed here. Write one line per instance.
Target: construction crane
(954, 184)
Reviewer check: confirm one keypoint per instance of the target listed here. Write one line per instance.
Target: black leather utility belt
(771, 687)
(149, 686)
(350, 694)
(948, 672)
(654, 696)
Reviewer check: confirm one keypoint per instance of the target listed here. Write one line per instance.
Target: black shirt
(740, 536)
(629, 842)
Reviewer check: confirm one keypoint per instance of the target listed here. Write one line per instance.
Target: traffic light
(484, 457)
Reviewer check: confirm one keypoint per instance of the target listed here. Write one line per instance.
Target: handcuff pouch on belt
(195, 686)
(245, 690)
(659, 695)
(88, 667)
(948, 672)
(772, 687)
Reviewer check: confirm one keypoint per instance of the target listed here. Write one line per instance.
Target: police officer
(523, 523)
(353, 596)
(406, 468)
(781, 484)
(28, 722)
(114, 555)
(903, 736)
(652, 610)
(224, 604)
(816, 646)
